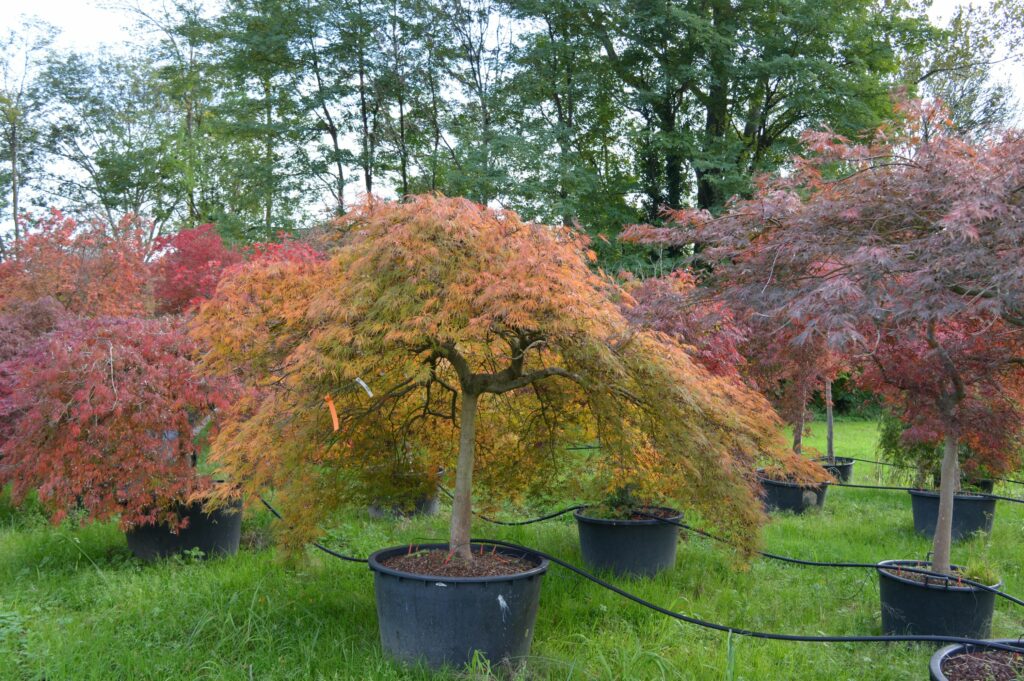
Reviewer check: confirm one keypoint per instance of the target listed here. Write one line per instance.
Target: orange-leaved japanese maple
(905, 250)
(99, 415)
(444, 328)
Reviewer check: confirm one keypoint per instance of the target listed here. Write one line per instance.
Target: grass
(75, 605)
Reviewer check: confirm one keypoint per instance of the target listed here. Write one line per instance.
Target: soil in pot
(841, 470)
(216, 533)
(637, 545)
(968, 663)
(435, 609)
(917, 604)
(780, 495)
(971, 513)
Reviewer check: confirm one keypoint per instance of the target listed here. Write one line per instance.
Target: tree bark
(15, 179)
(798, 427)
(947, 489)
(462, 506)
(829, 423)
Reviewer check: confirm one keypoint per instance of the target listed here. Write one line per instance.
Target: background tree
(22, 102)
(470, 326)
(110, 123)
(89, 268)
(895, 260)
(187, 267)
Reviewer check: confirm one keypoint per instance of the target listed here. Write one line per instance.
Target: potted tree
(465, 331)
(877, 249)
(721, 342)
(95, 409)
(973, 510)
(963, 662)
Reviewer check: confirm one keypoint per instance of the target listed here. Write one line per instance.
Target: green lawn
(75, 605)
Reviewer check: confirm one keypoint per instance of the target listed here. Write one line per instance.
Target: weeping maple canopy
(430, 303)
(906, 252)
(98, 417)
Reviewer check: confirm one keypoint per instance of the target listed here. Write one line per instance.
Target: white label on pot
(504, 607)
(440, 584)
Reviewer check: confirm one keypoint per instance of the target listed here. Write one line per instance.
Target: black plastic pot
(215, 534)
(983, 485)
(935, 666)
(640, 548)
(788, 496)
(971, 513)
(444, 620)
(913, 607)
(841, 470)
(423, 506)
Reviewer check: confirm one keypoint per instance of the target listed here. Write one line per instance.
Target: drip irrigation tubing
(330, 552)
(765, 554)
(874, 566)
(517, 523)
(1014, 500)
(771, 636)
(908, 466)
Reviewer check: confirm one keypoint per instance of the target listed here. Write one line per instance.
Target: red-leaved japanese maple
(906, 250)
(91, 268)
(187, 267)
(707, 328)
(100, 414)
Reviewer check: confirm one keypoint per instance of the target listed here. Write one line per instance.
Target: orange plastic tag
(334, 412)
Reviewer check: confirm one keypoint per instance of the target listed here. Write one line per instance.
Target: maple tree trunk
(944, 523)
(829, 423)
(798, 427)
(462, 506)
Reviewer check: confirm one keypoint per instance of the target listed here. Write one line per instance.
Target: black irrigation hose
(911, 638)
(908, 466)
(817, 563)
(330, 552)
(694, 620)
(772, 556)
(517, 523)
(1014, 500)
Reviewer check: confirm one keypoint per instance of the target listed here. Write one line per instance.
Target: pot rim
(762, 478)
(625, 522)
(840, 460)
(375, 565)
(958, 496)
(884, 573)
(940, 655)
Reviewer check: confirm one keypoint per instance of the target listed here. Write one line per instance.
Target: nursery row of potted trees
(900, 256)
(462, 338)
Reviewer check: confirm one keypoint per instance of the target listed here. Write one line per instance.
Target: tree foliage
(878, 249)
(101, 414)
(187, 267)
(91, 269)
(438, 305)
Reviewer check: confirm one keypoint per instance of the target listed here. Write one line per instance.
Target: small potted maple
(465, 331)
(973, 509)
(877, 248)
(100, 415)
